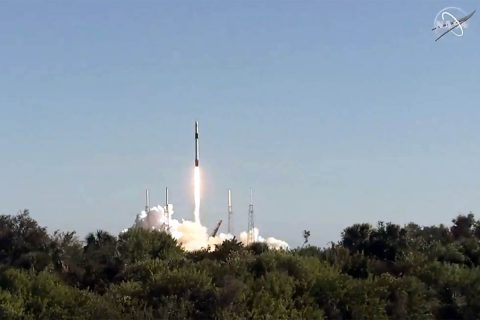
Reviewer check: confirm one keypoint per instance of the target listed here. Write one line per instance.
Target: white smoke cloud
(270, 241)
(192, 235)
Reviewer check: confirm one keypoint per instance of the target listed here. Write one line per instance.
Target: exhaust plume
(191, 235)
(196, 194)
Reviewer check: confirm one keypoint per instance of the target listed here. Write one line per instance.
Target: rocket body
(197, 153)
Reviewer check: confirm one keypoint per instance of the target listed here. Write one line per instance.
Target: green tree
(138, 244)
(101, 261)
(23, 243)
(463, 226)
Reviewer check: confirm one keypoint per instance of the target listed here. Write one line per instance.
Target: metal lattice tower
(167, 209)
(230, 212)
(251, 221)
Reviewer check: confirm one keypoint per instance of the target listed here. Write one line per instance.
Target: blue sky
(335, 112)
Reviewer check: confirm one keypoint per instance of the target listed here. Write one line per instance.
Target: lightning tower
(230, 212)
(167, 209)
(147, 201)
(251, 221)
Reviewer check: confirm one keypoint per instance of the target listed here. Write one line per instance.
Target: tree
(67, 254)
(463, 226)
(356, 237)
(306, 235)
(229, 247)
(101, 261)
(138, 244)
(23, 243)
(387, 271)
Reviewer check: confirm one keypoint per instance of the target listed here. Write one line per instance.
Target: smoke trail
(191, 235)
(196, 191)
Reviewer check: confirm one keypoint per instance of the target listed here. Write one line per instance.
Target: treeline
(375, 272)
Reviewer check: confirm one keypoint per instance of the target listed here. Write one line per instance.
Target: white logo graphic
(450, 20)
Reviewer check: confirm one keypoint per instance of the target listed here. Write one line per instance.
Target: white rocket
(197, 154)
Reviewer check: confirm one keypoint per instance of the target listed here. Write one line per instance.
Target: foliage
(385, 271)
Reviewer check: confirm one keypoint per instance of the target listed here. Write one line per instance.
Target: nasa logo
(450, 20)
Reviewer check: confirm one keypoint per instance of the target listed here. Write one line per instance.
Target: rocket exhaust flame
(196, 192)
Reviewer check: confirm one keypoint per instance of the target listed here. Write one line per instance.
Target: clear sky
(335, 112)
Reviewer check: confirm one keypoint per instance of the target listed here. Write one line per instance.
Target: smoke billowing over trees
(373, 272)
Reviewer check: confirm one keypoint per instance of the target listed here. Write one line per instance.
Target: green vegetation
(375, 272)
